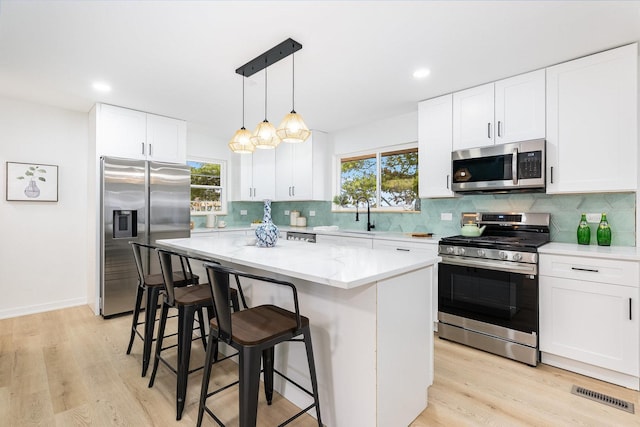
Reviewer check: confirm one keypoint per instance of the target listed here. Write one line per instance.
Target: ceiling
(178, 58)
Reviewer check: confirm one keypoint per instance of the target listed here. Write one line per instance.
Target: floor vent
(603, 398)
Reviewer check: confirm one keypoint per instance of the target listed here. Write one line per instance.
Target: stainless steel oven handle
(509, 267)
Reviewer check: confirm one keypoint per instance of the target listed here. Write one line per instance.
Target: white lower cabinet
(589, 317)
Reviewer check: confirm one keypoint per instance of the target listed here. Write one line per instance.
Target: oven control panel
(502, 255)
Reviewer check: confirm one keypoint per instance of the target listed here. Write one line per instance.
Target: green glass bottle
(604, 232)
(584, 231)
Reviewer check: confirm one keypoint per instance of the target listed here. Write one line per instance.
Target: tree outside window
(387, 179)
(207, 191)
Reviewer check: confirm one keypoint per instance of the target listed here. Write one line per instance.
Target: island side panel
(343, 328)
(405, 346)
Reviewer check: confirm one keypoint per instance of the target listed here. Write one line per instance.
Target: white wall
(395, 130)
(43, 244)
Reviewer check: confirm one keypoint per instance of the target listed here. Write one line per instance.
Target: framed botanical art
(32, 182)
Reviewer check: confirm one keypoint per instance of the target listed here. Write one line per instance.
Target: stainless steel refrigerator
(142, 201)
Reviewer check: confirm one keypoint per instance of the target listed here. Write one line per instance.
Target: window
(387, 178)
(208, 193)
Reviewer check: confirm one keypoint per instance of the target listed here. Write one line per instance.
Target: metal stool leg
(267, 364)
(163, 322)
(150, 323)
(136, 314)
(249, 386)
(312, 371)
(185, 330)
(212, 351)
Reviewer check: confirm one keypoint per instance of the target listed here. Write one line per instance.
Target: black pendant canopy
(270, 57)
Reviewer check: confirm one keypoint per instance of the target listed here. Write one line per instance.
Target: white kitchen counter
(370, 317)
(628, 253)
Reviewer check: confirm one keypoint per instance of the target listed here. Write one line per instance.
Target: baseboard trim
(41, 308)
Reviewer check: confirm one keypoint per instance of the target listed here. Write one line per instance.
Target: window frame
(377, 153)
(223, 185)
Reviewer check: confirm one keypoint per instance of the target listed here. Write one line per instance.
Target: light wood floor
(69, 368)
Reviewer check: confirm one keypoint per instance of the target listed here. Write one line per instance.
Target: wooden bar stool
(152, 285)
(253, 332)
(189, 300)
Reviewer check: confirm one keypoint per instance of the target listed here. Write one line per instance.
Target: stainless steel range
(488, 285)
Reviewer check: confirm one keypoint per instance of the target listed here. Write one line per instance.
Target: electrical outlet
(243, 212)
(446, 216)
(286, 213)
(312, 213)
(594, 217)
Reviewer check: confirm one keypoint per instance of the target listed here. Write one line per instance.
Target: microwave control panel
(530, 165)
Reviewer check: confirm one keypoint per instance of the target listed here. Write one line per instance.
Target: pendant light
(292, 129)
(241, 141)
(265, 134)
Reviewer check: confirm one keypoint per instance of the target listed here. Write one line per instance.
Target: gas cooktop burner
(520, 232)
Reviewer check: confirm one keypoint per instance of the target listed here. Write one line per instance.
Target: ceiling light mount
(269, 57)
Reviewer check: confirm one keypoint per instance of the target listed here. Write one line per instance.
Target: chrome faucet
(369, 225)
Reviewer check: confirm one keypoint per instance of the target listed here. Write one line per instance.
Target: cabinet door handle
(448, 181)
(551, 175)
(142, 146)
(514, 165)
(499, 133)
(630, 309)
(293, 190)
(150, 151)
(489, 130)
(584, 269)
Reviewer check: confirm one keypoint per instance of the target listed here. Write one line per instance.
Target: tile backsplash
(565, 213)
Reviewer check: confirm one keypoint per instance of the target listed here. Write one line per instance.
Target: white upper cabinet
(592, 123)
(473, 117)
(294, 171)
(520, 108)
(257, 175)
(135, 134)
(435, 139)
(508, 110)
(166, 139)
(301, 169)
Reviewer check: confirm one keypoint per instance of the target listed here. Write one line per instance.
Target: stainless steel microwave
(517, 166)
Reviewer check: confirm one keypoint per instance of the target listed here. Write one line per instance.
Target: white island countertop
(338, 266)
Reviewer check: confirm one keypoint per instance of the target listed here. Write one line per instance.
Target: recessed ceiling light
(101, 87)
(421, 73)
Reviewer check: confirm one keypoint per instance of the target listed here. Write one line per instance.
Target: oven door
(491, 295)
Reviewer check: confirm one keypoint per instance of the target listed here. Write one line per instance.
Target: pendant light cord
(293, 83)
(243, 100)
(265, 92)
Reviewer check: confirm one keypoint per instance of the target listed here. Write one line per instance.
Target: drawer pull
(584, 269)
(403, 249)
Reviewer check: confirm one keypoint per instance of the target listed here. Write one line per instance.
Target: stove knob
(503, 255)
(517, 257)
(450, 250)
(481, 253)
(460, 251)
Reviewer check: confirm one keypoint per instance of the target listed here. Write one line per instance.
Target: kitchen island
(370, 314)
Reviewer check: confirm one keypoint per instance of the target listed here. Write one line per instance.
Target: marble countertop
(337, 266)
(627, 253)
